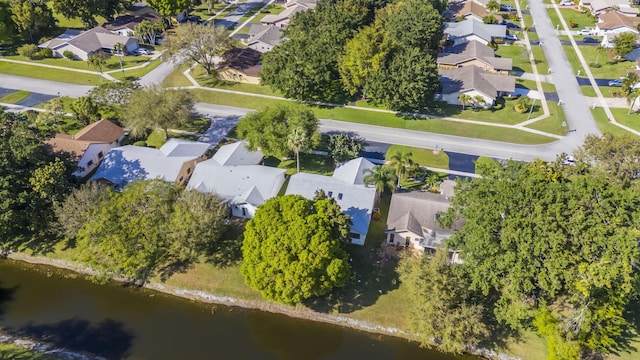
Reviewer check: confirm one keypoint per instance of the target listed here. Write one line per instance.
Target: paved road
(575, 106)
(373, 133)
(157, 75)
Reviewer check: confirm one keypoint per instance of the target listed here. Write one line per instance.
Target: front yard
(38, 72)
(608, 69)
(112, 62)
(581, 19)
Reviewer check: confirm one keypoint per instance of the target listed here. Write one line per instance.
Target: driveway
(35, 99)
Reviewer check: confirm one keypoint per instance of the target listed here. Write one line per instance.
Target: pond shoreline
(205, 297)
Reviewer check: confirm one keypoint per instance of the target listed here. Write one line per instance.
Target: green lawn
(553, 123)
(385, 119)
(176, 78)
(15, 97)
(224, 13)
(112, 63)
(582, 20)
(540, 59)
(272, 9)
(607, 91)
(503, 113)
(603, 124)
(309, 163)
(135, 74)
(519, 55)
(421, 156)
(49, 74)
(63, 22)
(608, 69)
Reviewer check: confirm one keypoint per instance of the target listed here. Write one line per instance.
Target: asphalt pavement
(576, 109)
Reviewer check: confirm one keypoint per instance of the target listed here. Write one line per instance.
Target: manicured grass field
(135, 74)
(608, 68)
(15, 97)
(603, 124)
(421, 156)
(553, 123)
(49, 74)
(541, 60)
(112, 63)
(582, 20)
(501, 114)
(204, 80)
(385, 119)
(176, 78)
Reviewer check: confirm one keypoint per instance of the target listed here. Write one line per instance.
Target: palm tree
(464, 100)
(399, 162)
(298, 141)
(118, 50)
(493, 6)
(631, 98)
(382, 177)
(97, 61)
(599, 50)
(478, 100)
(629, 82)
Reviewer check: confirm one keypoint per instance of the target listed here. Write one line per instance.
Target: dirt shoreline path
(205, 297)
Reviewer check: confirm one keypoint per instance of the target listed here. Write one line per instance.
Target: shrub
(140, 143)
(28, 50)
(46, 53)
(69, 55)
(573, 24)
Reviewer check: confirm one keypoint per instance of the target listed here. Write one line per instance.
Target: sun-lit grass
(609, 69)
(14, 97)
(49, 74)
(530, 84)
(421, 156)
(176, 78)
(309, 163)
(135, 74)
(112, 62)
(519, 55)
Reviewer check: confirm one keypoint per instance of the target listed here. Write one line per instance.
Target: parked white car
(585, 31)
(566, 3)
(511, 37)
(143, 51)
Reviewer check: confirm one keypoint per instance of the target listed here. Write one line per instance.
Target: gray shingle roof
(474, 50)
(414, 210)
(90, 40)
(268, 34)
(471, 77)
(473, 27)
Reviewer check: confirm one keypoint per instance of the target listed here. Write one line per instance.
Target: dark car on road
(511, 26)
(589, 39)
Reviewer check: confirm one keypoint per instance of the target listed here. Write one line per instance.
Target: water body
(120, 322)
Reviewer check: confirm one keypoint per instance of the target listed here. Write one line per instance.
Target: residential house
(174, 162)
(234, 175)
(83, 43)
(293, 7)
(613, 23)
(241, 65)
(471, 29)
(471, 9)
(474, 53)
(474, 81)
(89, 146)
(347, 187)
(125, 25)
(598, 7)
(413, 221)
(263, 38)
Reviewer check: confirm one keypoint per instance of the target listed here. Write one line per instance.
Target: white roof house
(83, 43)
(233, 174)
(174, 162)
(347, 187)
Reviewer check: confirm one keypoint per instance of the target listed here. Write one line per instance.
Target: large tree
(32, 18)
(114, 95)
(150, 228)
(88, 10)
(169, 7)
(269, 128)
(624, 43)
(305, 66)
(157, 108)
(30, 182)
(7, 26)
(615, 157)
(441, 308)
(293, 249)
(201, 44)
(547, 237)
(148, 31)
(85, 110)
(412, 74)
(344, 147)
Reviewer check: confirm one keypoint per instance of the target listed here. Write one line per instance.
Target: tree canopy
(149, 228)
(554, 243)
(624, 43)
(31, 180)
(198, 43)
(157, 108)
(342, 147)
(32, 18)
(169, 7)
(269, 128)
(293, 248)
(88, 10)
